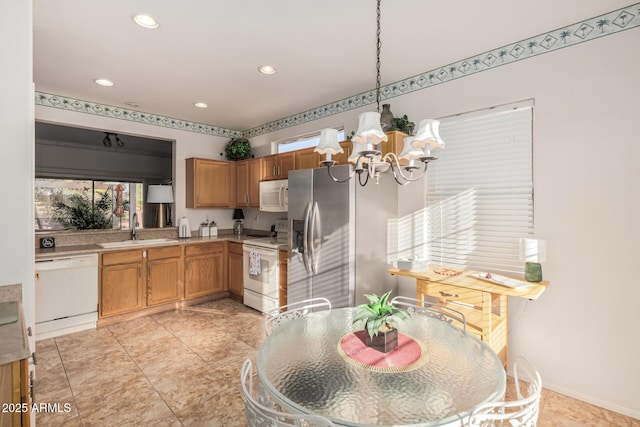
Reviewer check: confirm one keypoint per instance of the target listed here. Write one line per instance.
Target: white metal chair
(278, 317)
(261, 416)
(518, 413)
(415, 306)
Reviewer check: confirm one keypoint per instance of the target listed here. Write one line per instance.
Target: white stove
(260, 269)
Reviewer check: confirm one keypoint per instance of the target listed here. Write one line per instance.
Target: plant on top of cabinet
(237, 149)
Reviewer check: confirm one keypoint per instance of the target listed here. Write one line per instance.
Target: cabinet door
(394, 144)
(14, 388)
(270, 167)
(286, 163)
(121, 288)
(210, 183)
(282, 278)
(343, 158)
(164, 280)
(308, 159)
(242, 183)
(236, 283)
(255, 175)
(204, 269)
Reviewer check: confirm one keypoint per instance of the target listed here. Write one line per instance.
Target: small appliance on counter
(184, 230)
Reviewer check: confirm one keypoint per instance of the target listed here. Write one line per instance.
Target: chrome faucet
(135, 223)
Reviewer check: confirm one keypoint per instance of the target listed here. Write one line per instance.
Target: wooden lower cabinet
(283, 261)
(204, 269)
(14, 389)
(236, 277)
(122, 279)
(164, 275)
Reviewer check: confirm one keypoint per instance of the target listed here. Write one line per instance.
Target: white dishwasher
(66, 294)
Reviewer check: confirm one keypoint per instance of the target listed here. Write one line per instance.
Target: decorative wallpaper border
(590, 29)
(66, 103)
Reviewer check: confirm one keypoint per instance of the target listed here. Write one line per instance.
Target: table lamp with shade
(533, 252)
(160, 194)
(238, 215)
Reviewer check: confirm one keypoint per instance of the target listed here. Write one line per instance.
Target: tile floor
(175, 369)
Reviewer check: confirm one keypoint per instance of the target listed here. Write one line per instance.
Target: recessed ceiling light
(267, 69)
(200, 105)
(103, 82)
(146, 21)
(132, 104)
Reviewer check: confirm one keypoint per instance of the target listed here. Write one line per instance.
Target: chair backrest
(415, 306)
(522, 412)
(261, 416)
(278, 317)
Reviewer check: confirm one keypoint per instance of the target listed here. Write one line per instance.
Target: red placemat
(409, 354)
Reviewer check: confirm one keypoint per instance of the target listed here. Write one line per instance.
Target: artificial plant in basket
(237, 149)
(381, 321)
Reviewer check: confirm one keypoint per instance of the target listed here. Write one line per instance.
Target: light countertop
(13, 335)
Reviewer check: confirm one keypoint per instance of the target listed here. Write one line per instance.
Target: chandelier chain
(378, 46)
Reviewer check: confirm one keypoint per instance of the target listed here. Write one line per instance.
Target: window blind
(480, 191)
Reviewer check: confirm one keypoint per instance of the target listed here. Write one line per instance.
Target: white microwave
(274, 196)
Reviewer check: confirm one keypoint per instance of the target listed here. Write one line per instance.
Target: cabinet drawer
(121, 257)
(161, 253)
(235, 248)
(204, 248)
(450, 293)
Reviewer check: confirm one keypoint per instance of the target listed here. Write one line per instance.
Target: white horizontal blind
(480, 191)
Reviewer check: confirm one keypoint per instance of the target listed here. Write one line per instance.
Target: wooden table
(483, 303)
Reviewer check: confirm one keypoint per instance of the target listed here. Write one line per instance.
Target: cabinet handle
(445, 294)
(248, 199)
(278, 170)
(37, 275)
(273, 170)
(198, 199)
(29, 332)
(33, 357)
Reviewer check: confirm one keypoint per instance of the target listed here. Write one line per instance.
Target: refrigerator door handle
(280, 196)
(305, 238)
(315, 221)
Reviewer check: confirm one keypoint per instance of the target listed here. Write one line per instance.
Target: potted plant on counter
(381, 322)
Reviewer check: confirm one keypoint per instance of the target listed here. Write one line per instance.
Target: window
(85, 204)
(301, 142)
(480, 191)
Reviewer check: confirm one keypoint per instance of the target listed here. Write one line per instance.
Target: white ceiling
(209, 50)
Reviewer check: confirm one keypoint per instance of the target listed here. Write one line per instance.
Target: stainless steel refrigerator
(338, 244)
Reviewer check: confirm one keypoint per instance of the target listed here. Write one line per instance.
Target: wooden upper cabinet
(307, 158)
(248, 175)
(210, 183)
(394, 144)
(277, 166)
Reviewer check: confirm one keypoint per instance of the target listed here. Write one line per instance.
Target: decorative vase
(533, 272)
(385, 117)
(385, 341)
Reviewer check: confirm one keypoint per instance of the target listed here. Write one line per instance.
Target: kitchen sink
(135, 243)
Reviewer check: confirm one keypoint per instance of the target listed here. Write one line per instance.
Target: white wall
(16, 158)
(581, 334)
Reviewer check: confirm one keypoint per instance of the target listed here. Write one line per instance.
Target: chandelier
(366, 159)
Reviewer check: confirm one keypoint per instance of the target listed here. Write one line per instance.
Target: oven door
(266, 281)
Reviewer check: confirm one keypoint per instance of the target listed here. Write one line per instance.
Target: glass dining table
(316, 364)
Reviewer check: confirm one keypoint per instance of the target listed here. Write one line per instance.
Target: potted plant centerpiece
(381, 322)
